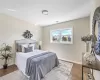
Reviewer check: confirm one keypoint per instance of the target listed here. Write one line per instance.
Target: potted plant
(5, 54)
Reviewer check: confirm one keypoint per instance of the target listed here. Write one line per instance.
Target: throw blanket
(39, 65)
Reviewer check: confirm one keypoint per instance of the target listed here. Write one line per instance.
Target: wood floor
(8, 70)
(76, 71)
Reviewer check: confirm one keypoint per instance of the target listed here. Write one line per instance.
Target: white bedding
(21, 58)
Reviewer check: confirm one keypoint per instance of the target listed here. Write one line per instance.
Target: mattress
(21, 58)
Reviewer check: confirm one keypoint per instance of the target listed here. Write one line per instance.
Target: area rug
(62, 72)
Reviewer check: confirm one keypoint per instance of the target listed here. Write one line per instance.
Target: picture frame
(64, 36)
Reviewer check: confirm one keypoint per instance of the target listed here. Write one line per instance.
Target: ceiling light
(57, 21)
(45, 12)
(11, 10)
(35, 24)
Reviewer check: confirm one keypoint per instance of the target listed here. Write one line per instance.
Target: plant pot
(5, 66)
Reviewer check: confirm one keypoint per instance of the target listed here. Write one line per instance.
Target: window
(62, 36)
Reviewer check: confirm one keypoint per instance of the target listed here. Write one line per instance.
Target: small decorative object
(5, 54)
(90, 77)
(40, 44)
(27, 34)
(89, 58)
(86, 39)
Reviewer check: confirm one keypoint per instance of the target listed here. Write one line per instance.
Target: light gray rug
(62, 72)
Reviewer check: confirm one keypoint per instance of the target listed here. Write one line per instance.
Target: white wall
(11, 29)
(64, 51)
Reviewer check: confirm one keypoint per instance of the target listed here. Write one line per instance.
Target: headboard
(25, 41)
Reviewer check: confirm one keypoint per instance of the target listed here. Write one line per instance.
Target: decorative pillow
(24, 46)
(28, 49)
(32, 45)
(19, 47)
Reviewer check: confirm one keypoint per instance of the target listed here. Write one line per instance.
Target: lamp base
(39, 47)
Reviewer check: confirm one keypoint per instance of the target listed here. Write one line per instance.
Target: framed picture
(55, 36)
(62, 36)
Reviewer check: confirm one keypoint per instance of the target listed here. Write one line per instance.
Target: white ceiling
(59, 10)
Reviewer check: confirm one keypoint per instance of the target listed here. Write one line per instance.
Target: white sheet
(21, 58)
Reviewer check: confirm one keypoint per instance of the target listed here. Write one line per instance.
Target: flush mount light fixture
(35, 24)
(57, 21)
(45, 12)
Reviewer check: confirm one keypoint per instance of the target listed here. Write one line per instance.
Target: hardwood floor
(8, 70)
(76, 71)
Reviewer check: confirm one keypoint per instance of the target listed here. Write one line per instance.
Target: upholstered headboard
(25, 41)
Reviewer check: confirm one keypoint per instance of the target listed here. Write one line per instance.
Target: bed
(35, 64)
(21, 59)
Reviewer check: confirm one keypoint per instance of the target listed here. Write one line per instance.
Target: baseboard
(71, 61)
(8, 65)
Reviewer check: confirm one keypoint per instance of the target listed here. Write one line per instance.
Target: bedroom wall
(65, 51)
(11, 29)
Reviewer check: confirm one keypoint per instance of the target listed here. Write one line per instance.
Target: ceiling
(58, 10)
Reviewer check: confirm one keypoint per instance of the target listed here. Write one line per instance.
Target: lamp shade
(40, 42)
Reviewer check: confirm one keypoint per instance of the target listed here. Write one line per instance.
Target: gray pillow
(19, 48)
(28, 49)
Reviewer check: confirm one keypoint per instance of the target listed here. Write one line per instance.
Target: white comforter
(21, 58)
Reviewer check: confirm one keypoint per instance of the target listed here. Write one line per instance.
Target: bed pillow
(19, 47)
(32, 45)
(24, 46)
(28, 49)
